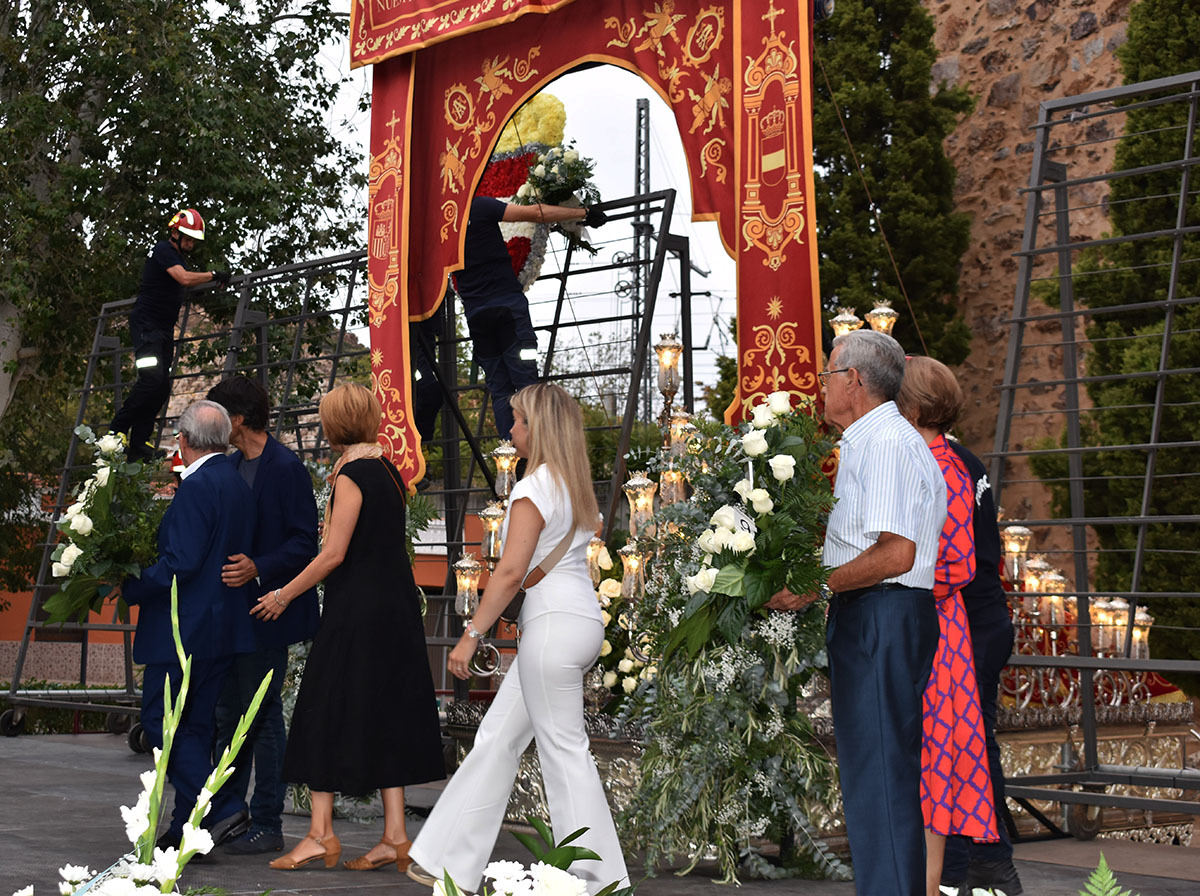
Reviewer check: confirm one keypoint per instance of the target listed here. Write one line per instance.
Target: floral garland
(111, 530)
(729, 760)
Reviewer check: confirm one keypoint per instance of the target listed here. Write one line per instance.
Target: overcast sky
(601, 105)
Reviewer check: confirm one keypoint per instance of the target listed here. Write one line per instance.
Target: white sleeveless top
(567, 588)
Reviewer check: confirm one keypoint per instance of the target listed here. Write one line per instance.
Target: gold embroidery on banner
(396, 432)
(450, 217)
(704, 37)
(670, 75)
(774, 307)
(712, 103)
(454, 171)
(659, 25)
(491, 82)
(713, 150)
(626, 31)
(384, 188)
(772, 88)
(784, 365)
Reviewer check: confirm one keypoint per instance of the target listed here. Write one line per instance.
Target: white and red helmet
(189, 223)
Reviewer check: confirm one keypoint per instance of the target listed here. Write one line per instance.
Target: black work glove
(595, 218)
(222, 277)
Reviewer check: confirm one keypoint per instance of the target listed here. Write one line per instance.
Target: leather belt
(855, 593)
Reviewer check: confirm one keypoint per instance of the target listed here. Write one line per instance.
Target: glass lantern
(682, 429)
(1141, 634)
(633, 581)
(1035, 567)
(1101, 622)
(505, 456)
(845, 321)
(594, 548)
(670, 486)
(466, 573)
(669, 351)
(1016, 542)
(882, 317)
(492, 518)
(1118, 623)
(1052, 611)
(640, 491)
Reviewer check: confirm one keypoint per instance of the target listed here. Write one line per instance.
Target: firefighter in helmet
(165, 276)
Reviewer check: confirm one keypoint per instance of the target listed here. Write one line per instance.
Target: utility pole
(641, 242)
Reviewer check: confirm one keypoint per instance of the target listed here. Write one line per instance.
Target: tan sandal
(362, 863)
(333, 852)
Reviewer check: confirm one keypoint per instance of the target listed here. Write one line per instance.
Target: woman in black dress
(366, 715)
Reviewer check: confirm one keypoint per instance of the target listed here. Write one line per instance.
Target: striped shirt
(887, 481)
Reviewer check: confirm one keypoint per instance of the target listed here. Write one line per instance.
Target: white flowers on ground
(195, 840)
(137, 819)
(754, 443)
(783, 467)
(512, 879)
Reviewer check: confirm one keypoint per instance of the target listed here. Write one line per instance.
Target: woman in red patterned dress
(956, 786)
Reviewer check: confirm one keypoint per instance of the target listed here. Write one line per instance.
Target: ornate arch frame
(448, 74)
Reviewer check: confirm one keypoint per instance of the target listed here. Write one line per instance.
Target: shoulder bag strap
(392, 474)
(539, 572)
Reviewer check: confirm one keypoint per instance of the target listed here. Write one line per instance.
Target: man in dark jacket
(206, 522)
(285, 540)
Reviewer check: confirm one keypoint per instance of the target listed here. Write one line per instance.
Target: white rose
(721, 538)
(742, 542)
(605, 617)
(73, 510)
(70, 554)
(539, 171)
(780, 403)
(554, 170)
(625, 666)
(762, 416)
(605, 648)
(705, 578)
(109, 444)
(604, 558)
(706, 543)
(649, 673)
(570, 156)
(610, 679)
(524, 190)
(783, 467)
(761, 501)
(81, 524)
(743, 488)
(59, 571)
(629, 683)
(725, 517)
(101, 477)
(754, 443)
(610, 588)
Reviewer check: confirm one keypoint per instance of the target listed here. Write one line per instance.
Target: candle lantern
(594, 549)
(640, 491)
(1118, 622)
(1141, 634)
(492, 518)
(682, 429)
(505, 456)
(671, 486)
(845, 321)
(1035, 567)
(633, 582)
(1051, 612)
(1101, 620)
(882, 317)
(466, 572)
(669, 351)
(1016, 543)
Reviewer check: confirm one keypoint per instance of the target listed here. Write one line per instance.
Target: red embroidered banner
(737, 78)
(380, 29)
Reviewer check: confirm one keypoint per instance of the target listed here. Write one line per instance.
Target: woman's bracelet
(278, 602)
(471, 630)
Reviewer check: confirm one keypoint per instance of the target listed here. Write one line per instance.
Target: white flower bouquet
(562, 176)
(109, 530)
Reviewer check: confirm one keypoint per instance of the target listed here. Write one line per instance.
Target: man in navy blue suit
(285, 540)
(208, 520)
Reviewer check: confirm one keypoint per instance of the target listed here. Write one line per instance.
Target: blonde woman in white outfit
(541, 697)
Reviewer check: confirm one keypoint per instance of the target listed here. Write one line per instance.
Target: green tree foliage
(878, 55)
(719, 395)
(1164, 40)
(115, 114)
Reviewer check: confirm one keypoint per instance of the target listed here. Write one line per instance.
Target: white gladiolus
(780, 403)
(137, 819)
(725, 517)
(148, 778)
(761, 501)
(783, 467)
(24, 891)
(742, 542)
(81, 524)
(166, 864)
(762, 416)
(754, 443)
(195, 839)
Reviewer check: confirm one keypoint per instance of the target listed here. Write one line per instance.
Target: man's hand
(785, 600)
(238, 571)
(222, 277)
(595, 218)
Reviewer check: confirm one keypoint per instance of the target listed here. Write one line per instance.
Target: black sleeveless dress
(366, 715)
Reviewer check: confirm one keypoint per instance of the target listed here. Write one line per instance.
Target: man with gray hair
(882, 628)
(210, 518)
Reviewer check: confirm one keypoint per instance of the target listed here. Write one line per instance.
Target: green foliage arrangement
(1103, 882)
(111, 531)
(561, 176)
(729, 761)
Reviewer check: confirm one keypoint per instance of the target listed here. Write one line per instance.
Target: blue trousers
(190, 762)
(881, 647)
(266, 739)
(992, 643)
(506, 348)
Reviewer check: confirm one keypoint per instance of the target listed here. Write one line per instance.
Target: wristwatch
(471, 630)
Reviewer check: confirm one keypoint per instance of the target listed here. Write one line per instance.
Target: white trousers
(540, 698)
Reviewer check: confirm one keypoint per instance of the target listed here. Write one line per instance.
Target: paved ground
(59, 797)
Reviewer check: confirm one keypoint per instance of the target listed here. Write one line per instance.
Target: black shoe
(169, 840)
(1000, 876)
(229, 827)
(255, 844)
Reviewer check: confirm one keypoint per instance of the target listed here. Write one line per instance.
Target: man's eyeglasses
(825, 374)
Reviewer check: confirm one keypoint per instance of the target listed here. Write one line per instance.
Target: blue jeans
(506, 348)
(266, 739)
(992, 642)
